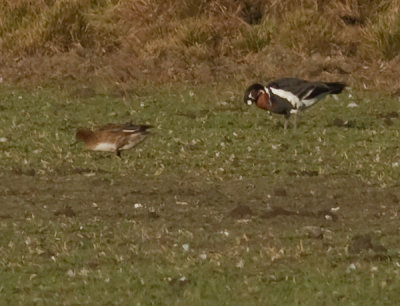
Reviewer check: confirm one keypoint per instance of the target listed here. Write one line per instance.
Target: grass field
(217, 207)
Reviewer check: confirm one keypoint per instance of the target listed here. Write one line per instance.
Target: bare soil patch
(345, 206)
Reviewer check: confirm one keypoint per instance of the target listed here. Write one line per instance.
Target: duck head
(83, 135)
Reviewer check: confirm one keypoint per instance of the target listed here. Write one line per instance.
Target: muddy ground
(329, 210)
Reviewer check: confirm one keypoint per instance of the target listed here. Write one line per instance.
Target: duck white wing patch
(287, 95)
(105, 146)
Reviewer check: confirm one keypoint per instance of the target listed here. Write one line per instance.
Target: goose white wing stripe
(309, 102)
(308, 94)
(287, 95)
(319, 97)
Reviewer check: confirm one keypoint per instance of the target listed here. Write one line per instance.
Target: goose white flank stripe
(289, 95)
(294, 100)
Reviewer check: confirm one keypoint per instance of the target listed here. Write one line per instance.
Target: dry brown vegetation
(122, 42)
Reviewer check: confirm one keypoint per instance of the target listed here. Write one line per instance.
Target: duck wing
(124, 128)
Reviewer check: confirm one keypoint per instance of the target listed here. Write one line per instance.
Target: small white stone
(88, 174)
(181, 203)
(395, 165)
(350, 268)
(70, 273)
(240, 264)
(3, 139)
(203, 256)
(335, 208)
(352, 105)
(138, 205)
(83, 272)
(374, 269)
(186, 247)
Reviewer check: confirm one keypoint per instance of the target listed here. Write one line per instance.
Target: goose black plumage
(289, 95)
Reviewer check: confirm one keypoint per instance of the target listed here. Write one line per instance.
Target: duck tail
(138, 128)
(145, 127)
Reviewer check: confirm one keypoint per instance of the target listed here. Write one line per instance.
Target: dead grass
(111, 42)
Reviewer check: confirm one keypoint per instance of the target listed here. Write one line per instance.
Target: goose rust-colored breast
(263, 101)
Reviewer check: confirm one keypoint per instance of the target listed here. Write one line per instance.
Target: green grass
(208, 153)
(201, 129)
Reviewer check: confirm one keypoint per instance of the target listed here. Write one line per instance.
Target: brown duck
(113, 137)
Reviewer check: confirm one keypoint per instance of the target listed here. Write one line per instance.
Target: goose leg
(285, 124)
(294, 111)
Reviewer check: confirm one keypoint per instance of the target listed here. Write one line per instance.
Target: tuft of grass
(385, 35)
(199, 35)
(316, 34)
(67, 24)
(257, 37)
